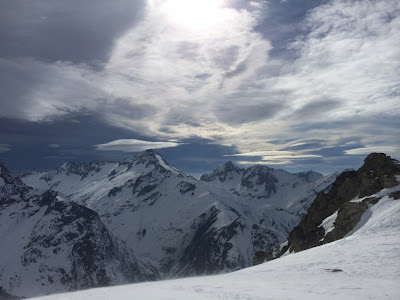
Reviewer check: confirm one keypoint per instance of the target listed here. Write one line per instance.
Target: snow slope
(364, 265)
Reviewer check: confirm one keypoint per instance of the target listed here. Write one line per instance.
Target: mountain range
(95, 224)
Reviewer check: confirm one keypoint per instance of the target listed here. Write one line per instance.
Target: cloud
(275, 157)
(337, 84)
(267, 163)
(261, 153)
(34, 91)
(133, 145)
(75, 31)
(5, 148)
(393, 151)
(54, 146)
(349, 55)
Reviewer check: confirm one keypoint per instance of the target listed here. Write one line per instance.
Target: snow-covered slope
(364, 265)
(187, 226)
(51, 245)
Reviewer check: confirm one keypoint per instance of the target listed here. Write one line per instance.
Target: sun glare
(194, 14)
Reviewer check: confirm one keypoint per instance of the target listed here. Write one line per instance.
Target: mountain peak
(221, 172)
(229, 166)
(151, 157)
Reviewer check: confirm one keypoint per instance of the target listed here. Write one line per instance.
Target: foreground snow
(365, 265)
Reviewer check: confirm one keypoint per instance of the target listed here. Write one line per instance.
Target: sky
(291, 84)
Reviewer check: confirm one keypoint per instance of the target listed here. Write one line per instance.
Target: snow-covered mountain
(183, 225)
(363, 265)
(51, 245)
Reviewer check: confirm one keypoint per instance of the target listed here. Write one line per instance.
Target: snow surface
(380, 194)
(2, 181)
(165, 165)
(329, 222)
(364, 265)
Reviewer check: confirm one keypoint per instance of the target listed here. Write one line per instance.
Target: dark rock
(260, 257)
(114, 191)
(395, 195)
(185, 187)
(334, 270)
(348, 217)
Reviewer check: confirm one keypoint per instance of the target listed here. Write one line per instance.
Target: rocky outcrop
(378, 172)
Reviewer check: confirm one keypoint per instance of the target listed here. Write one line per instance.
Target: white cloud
(5, 148)
(351, 54)
(267, 163)
(393, 151)
(262, 153)
(133, 145)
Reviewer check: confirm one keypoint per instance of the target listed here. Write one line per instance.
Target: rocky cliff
(334, 214)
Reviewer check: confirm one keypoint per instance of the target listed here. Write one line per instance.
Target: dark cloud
(34, 90)
(75, 30)
(281, 23)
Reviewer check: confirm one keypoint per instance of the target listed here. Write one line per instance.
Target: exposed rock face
(347, 218)
(378, 172)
